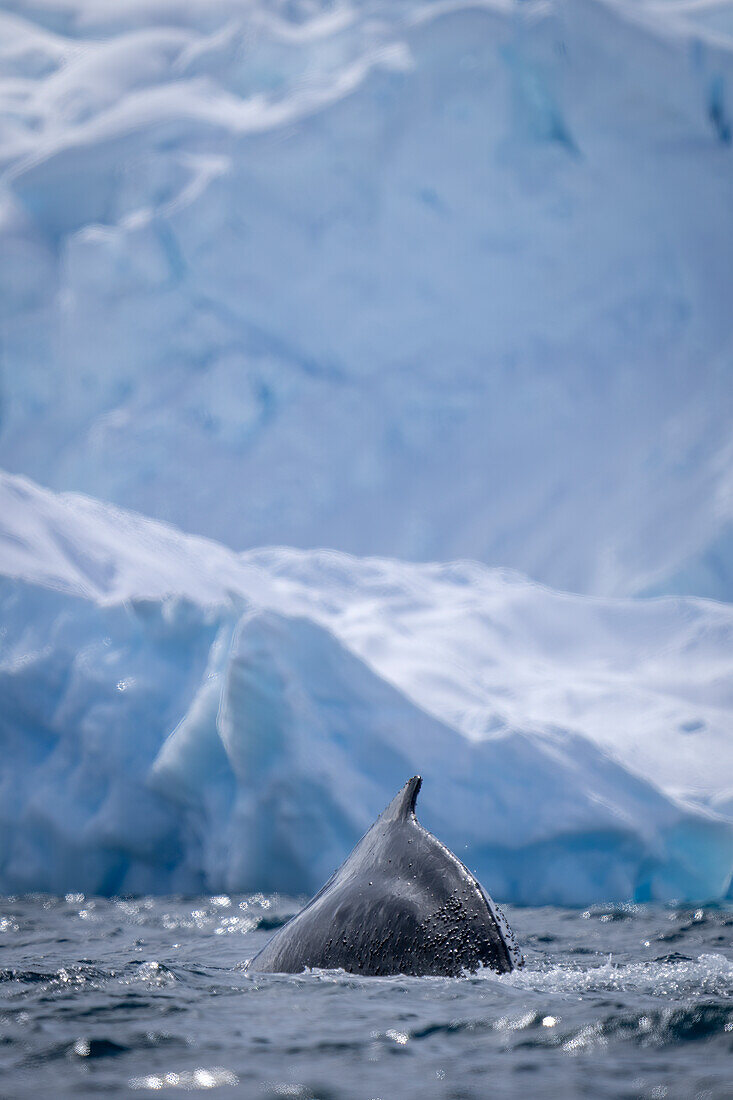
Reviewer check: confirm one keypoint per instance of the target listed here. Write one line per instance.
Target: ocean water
(140, 996)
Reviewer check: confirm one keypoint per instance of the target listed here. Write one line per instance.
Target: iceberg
(177, 716)
(422, 280)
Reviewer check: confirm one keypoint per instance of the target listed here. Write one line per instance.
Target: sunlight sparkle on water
(193, 1079)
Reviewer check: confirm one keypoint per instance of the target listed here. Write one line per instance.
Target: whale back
(401, 903)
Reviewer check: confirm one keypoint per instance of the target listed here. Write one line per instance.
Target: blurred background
(414, 281)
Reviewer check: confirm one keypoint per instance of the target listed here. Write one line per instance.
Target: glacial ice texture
(416, 279)
(179, 717)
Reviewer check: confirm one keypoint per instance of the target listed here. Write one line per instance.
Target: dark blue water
(144, 996)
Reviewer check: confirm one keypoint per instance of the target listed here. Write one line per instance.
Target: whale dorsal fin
(402, 805)
(401, 903)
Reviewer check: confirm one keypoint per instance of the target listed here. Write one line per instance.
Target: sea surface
(139, 996)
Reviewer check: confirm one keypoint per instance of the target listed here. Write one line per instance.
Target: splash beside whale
(401, 903)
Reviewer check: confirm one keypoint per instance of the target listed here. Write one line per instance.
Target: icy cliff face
(180, 717)
(425, 280)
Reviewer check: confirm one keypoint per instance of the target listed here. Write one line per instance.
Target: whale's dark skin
(401, 903)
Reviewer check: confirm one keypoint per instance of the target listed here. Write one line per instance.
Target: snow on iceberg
(176, 716)
(430, 280)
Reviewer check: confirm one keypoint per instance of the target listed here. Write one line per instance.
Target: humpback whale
(401, 903)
